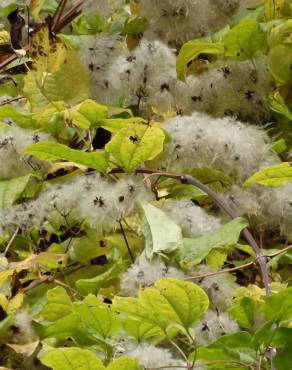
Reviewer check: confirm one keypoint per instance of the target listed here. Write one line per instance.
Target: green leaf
(135, 25)
(244, 40)
(236, 347)
(191, 50)
(170, 304)
(265, 334)
(100, 320)
(244, 312)
(281, 337)
(282, 360)
(10, 8)
(117, 241)
(36, 7)
(69, 326)
(87, 286)
(279, 63)
(58, 304)
(196, 249)
(71, 359)
(14, 189)
(70, 84)
(135, 144)
(277, 104)
(161, 234)
(116, 124)
(51, 119)
(50, 151)
(278, 307)
(124, 363)
(91, 111)
(22, 119)
(273, 176)
(141, 330)
(279, 146)
(86, 247)
(85, 114)
(216, 258)
(182, 192)
(5, 327)
(215, 179)
(89, 24)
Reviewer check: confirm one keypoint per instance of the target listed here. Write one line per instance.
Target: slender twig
(35, 283)
(12, 58)
(163, 173)
(240, 267)
(11, 241)
(12, 100)
(126, 241)
(68, 17)
(260, 258)
(58, 13)
(180, 351)
(225, 271)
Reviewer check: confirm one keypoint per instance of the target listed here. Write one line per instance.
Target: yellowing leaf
(35, 7)
(71, 359)
(3, 301)
(58, 304)
(49, 151)
(124, 363)
(170, 305)
(100, 320)
(274, 9)
(279, 63)
(70, 83)
(15, 303)
(135, 144)
(91, 111)
(115, 124)
(50, 261)
(191, 50)
(281, 34)
(273, 176)
(278, 105)
(48, 53)
(141, 330)
(4, 36)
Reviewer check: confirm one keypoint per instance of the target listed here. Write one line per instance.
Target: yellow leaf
(15, 303)
(134, 7)
(3, 302)
(274, 9)
(47, 52)
(4, 37)
(35, 7)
